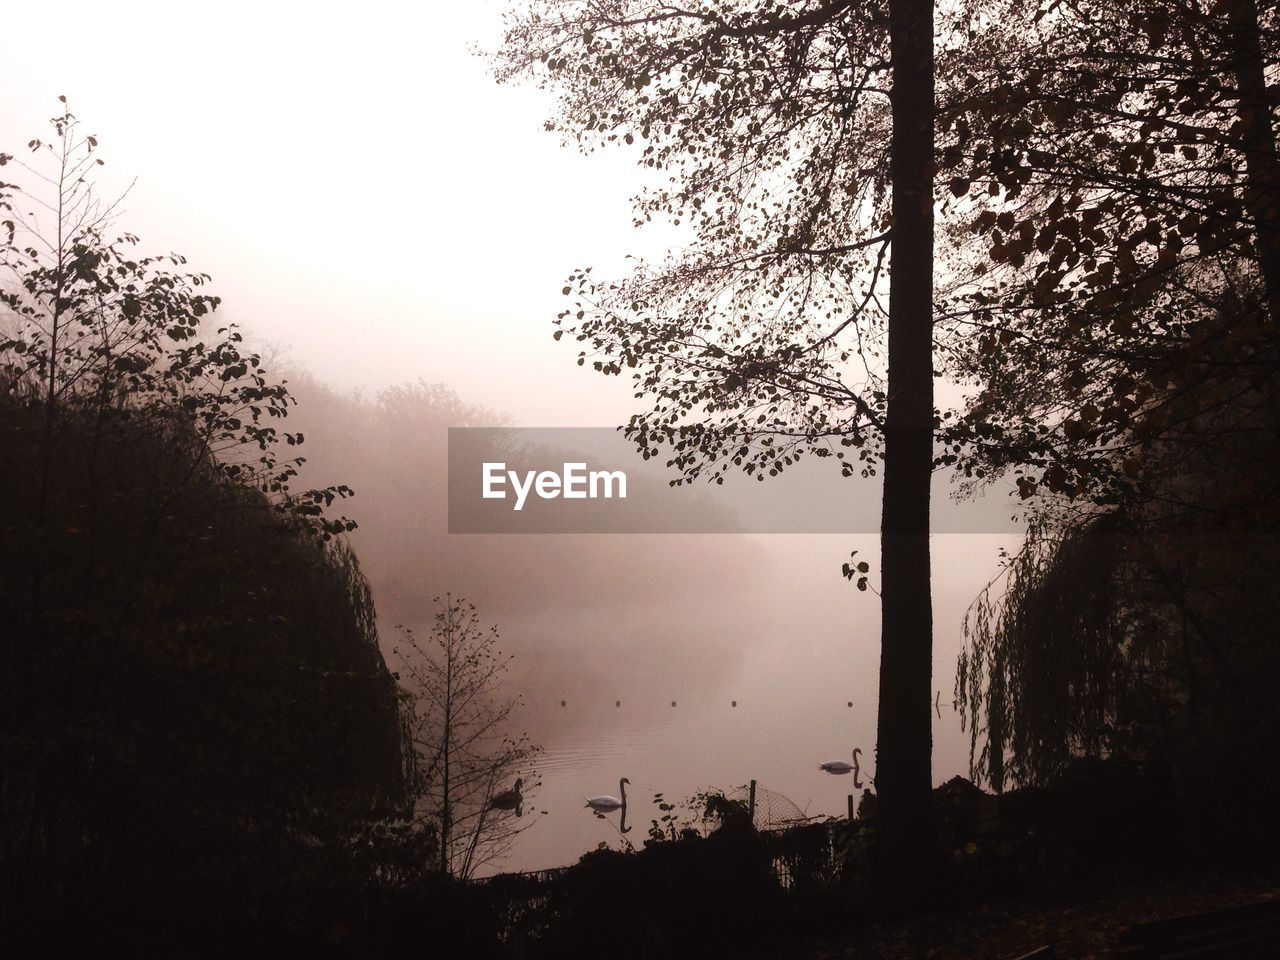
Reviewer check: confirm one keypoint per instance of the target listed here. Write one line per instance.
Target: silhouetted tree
(1115, 166)
(195, 716)
(87, 323)
(1125, 369)
(465, 752)
(1141, 628)
(794, 164)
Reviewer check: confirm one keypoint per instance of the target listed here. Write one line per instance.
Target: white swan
(608, 804)
(839, 767)
(509, 799)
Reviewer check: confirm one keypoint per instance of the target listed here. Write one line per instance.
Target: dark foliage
(784, 893)
(192, 698)
(680, 897)
(1143, 631)
(197, 728)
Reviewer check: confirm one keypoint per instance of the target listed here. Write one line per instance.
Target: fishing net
(773, 810)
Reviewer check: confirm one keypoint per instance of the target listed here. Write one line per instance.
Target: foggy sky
(360, 189)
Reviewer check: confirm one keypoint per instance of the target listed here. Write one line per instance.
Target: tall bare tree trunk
(904, 778)
(1262, 165)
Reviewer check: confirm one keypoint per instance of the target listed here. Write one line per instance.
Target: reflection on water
(581, 754)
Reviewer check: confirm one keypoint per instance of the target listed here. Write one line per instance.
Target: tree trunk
(446, 811)
(1262, 166)
(904, 744)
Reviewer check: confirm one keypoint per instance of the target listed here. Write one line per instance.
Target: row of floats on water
(732, 703)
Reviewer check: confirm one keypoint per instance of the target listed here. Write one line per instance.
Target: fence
(786, 857)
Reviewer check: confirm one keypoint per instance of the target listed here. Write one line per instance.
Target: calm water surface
(804, 682)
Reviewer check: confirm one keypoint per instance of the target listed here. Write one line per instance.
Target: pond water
(643, 619)
(803, 674)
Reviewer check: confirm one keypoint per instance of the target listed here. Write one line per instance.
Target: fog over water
(379, 215)
(644, 620)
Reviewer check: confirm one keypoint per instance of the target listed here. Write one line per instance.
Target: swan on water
(511, 799)
(839, 767)
(607, 804)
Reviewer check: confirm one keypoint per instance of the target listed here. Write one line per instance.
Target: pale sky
(362, 191)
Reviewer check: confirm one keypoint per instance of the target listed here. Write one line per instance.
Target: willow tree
(1143, 630)
(794, 143)
(1125, 355)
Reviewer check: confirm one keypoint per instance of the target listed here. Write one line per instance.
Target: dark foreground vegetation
(1072, 864)
(196, 723)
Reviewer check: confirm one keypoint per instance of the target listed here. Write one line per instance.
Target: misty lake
(594, 620)
(802, 671)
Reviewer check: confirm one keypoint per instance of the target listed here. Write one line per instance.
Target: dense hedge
(194, 712)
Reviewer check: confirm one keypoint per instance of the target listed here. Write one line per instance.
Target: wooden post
(851, 806)
(751, 805)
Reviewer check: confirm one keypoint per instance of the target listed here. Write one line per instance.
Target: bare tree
(465, 756)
